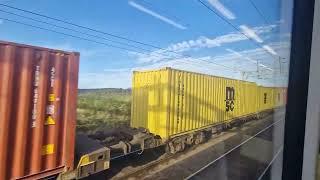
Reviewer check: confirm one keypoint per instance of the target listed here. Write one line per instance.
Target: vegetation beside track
(101, 109)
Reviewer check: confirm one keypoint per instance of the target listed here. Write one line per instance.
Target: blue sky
(199, 39)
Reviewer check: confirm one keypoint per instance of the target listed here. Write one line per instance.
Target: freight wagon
(182, 107)
(38, 88)
(38, 97)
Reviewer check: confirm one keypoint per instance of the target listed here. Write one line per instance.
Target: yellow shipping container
(266, 98)
(168, 102)
(279, 96)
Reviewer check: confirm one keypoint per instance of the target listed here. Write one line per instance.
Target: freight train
(170, 107)
(182, 107)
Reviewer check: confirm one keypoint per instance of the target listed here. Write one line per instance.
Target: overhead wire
(166, 12)
(120, 37)
(66, 34)
(233, 26)
(259, 12)
(265, 19)
(151, 5)
(80, 32)
(106, 33)
(193, 63)
(88, 28)
(102, 43)
(112, 35)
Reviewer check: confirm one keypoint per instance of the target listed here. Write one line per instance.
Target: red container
(38, 94)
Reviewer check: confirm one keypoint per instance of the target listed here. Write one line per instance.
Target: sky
(229, 38)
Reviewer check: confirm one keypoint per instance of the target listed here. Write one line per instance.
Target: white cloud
(187, 63)
(121, 77)
(249, 59)
(240, 59)
(250, 33)
(201, 42)
(264, 29)
(222, 9)
(234, 52)
(241, 56)
(156, 15)
(269, 49)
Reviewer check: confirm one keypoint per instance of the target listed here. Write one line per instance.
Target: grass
(101, 109)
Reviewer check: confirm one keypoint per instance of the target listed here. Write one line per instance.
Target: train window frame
(311, 141)
(295, 118)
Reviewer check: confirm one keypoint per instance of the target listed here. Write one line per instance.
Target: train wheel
(183, 146)
(167, 149)
(196, 141)
(199, 138)
(170, 148)
(174, 147)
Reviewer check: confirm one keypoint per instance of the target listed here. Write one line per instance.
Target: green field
(101, 109)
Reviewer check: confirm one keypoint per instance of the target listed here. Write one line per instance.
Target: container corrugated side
(168, 101)
(38, 92)
(266, 98)
(280, 96)
(150, 101)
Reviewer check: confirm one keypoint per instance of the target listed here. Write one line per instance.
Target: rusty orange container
(38, 94)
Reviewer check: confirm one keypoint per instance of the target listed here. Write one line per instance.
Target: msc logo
(229, 99)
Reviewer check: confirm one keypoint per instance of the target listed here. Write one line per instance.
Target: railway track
(195, 174)
(151, 165)
(165, 161)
